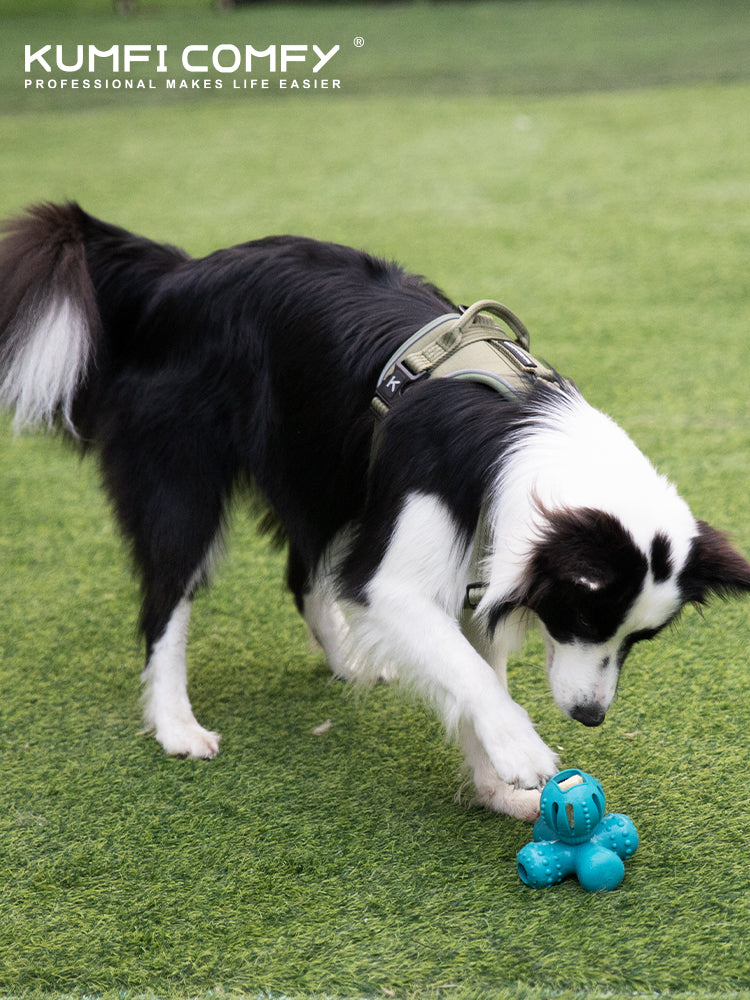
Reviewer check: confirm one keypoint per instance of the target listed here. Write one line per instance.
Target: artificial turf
(305, 863)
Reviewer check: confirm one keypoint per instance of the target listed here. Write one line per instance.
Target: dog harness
(469, 346)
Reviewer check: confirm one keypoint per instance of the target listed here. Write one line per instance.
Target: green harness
(469, 346)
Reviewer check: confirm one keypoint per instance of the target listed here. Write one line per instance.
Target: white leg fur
(411, 619)
(329, 628)
(491, 791)
(167, 710)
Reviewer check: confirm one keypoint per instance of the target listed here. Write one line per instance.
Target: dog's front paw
(518, 754)
(520, 803)
(533, 765)
(187, 739)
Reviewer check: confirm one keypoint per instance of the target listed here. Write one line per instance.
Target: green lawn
(588, 164)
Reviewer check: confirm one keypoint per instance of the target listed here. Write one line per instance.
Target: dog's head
(597, 593)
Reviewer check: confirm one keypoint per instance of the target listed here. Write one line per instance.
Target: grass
(613, 219)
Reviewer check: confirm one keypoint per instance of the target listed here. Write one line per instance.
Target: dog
(254, 369)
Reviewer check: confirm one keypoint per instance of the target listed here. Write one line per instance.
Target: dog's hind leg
(168, 591)
(166, 706)
(170, 504)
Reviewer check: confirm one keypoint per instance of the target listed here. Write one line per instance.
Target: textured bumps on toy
(574, 836)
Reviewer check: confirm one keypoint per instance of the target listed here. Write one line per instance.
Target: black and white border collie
(254, 368)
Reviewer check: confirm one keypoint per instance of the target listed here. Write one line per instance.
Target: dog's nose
(589, 715)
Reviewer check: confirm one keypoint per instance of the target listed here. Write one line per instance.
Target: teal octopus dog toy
(573, 836)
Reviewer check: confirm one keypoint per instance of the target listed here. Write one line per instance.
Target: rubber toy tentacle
(540, 868)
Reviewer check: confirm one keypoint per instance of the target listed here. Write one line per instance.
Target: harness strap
(474, 594)
(469, 346)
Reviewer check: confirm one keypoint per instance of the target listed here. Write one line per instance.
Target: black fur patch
(584, 575)
(661, 558)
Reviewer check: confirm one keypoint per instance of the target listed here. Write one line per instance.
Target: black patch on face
(661, 558)
(585, 575)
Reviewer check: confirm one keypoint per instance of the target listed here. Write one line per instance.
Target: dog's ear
(713, 567)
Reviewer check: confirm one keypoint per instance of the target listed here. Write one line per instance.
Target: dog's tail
(57, 265)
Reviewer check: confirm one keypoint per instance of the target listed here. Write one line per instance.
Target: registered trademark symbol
(359, 42)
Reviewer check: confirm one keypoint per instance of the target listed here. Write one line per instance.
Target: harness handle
(502, 312)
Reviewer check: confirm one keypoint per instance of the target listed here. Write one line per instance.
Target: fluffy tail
(48, 317)
(72, 289)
